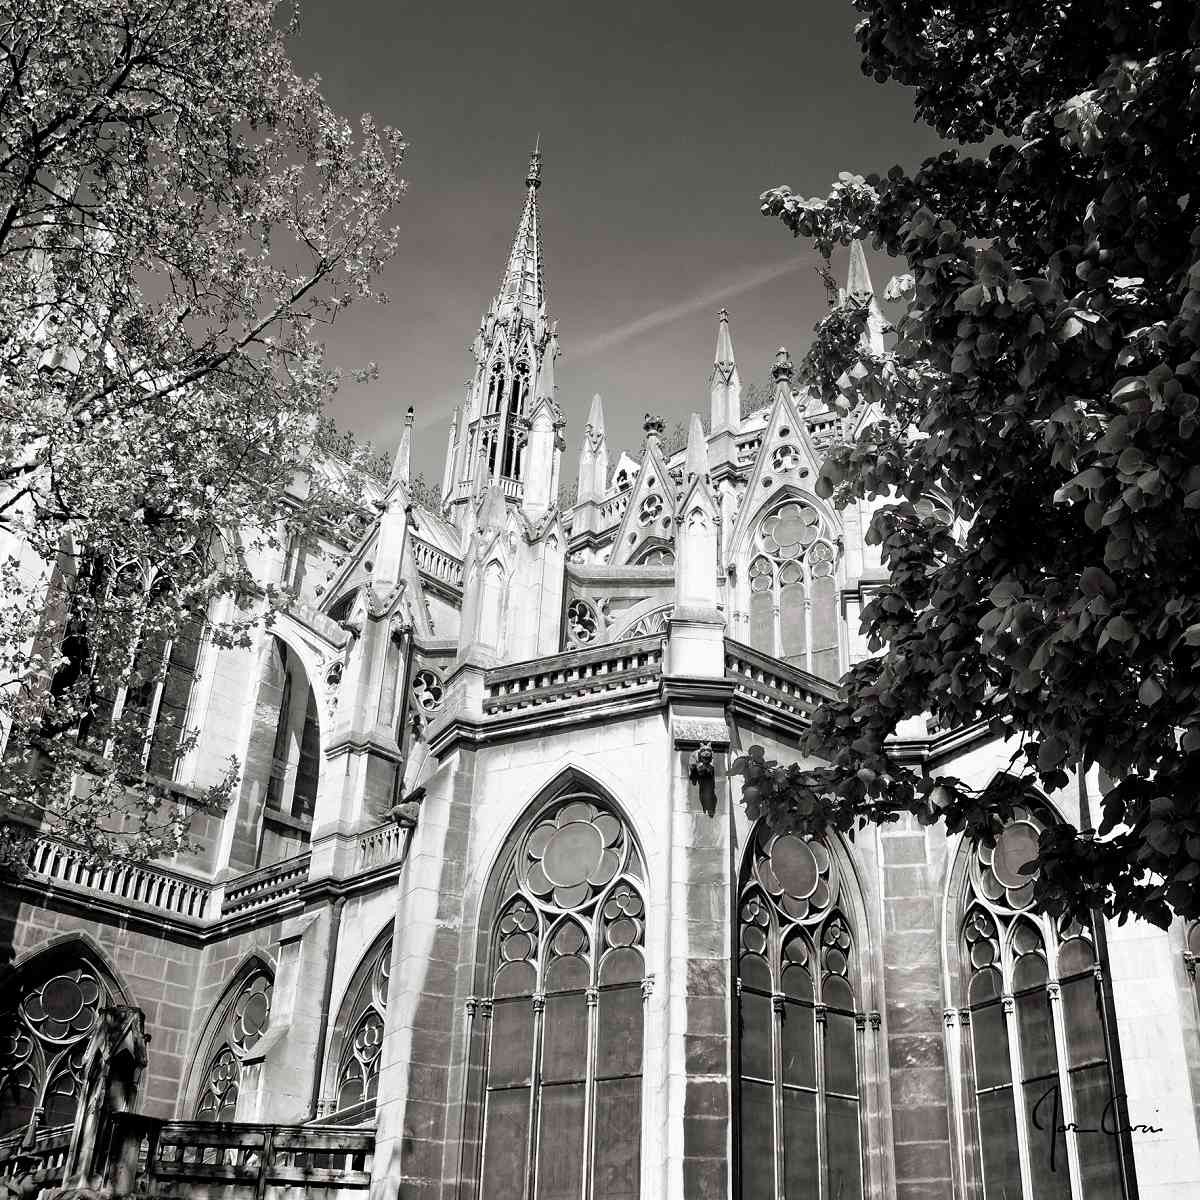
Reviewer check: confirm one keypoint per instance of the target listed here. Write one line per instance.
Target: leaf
(1151, 692)
(1120, 630)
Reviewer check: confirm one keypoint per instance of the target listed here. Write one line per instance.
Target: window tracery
(651, 623)
(562, 1076)
(583, 623)
(793, 596)
(799, 1107)
(1038, 1057)
(357, 1079)
(246, 1019)
(428, 691)
(49, 1015)
(656, 556)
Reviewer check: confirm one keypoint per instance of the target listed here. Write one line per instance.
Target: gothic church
(486, 920)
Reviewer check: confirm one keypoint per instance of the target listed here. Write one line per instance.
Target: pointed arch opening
(1039, 1058)
(800, 1024)
(51, 1007)
(356, 1041)
(792, 603)
(236, 1026)
(560, 1030)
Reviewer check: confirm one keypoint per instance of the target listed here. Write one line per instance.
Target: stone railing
(747, 448)
(266, 885)
(154, 887)
(237, 1161)
(513, 489)
(598, 674)
(437, 564)
(381, 845)
(613, 509)
(37, 1170)
(773, 684)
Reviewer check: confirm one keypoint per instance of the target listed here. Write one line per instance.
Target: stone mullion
(820, 1026)
(1018, 1094)
(1066, 1093)
(473, 1006)
(777, 1013)
(538, 1003)
(589, 1091)
(860, 1076)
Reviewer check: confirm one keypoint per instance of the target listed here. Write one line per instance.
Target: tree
(1044, 381)
(180, 214)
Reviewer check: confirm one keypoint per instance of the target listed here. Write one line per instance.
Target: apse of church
(485, 918)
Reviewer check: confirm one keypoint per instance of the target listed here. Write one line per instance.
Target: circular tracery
(572, 855)
(787, 532)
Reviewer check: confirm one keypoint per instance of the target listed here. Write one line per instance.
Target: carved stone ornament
(700, 731)
(406, 812)
(702, 775)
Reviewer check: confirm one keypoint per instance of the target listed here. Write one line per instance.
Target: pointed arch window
(50, 1011)
(793, 594)
(799, 1026)
(562, 1070)
(1038, 1047)
(247, 1011)
(126, 695)
(518, 404)
(357, 1038)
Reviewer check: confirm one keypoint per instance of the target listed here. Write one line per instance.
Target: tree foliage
(1044, 382)
(180, 214)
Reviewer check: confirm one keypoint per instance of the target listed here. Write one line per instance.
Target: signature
(1110, 1121)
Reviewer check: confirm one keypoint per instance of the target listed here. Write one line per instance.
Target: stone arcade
(485, 919)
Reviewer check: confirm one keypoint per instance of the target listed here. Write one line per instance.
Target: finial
(534, 178)
(723, 315)
(783, 368)
(408, 416)
(724, 356)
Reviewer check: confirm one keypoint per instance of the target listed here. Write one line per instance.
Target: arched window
(562, 1076)
(656, 556)
(652, 622)
(50, 1011)
(245, 1012)
(128, 692)
(358, 1035)
(495, 389)
(518, 403)
(793, 594)
(799, 1047)
(1038, 1057)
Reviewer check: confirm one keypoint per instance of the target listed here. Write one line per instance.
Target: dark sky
(660, 124)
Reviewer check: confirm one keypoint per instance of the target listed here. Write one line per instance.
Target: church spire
(523, 286)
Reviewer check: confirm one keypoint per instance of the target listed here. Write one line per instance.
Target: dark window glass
(619, 1033)
(1099, 1158)
(998, 1137)
(505, 1144)
(845, 1167)
(757, 1021)
(989, 1035)
(800, 1145)
(1085, 1034)
(1039, 1056)
(564, 1052)
(512, 1043)
(799, 1045)
(841, 1074)
(757, 1141)
(1047, 1144)
(560, 1147)
(618, 1139)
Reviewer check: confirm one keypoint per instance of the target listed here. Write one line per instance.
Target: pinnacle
(696, 460)
(858, 278)
(595, 419)
(724, 356)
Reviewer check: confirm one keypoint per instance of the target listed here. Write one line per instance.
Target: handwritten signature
(1110, 1121)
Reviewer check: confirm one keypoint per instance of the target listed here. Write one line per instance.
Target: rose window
(786, 533)
(581, 623)
(999, 876)
(785, 458)
(651, 509)
(427, 690)
(251, 1013)
(796, 874)
(574, 855)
